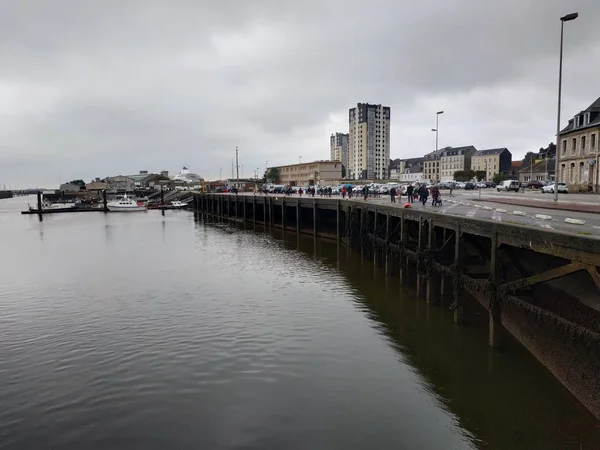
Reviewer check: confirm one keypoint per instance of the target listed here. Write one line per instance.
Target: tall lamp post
(564, 19)
(436, 129)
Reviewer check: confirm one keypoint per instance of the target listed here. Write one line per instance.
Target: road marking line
(543, 217)
(471, 213)
(519, 213)
(575, 221)
(500, 210)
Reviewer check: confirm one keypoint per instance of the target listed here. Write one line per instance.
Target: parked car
(470, 186)
(490, 184)
(508, 185)
(562, 188)
(533, 184)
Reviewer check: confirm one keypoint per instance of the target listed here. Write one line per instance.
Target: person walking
(366, 192)
(344, 192)
(424, 194)
(409, 191)
(393, 194)
(451, 188)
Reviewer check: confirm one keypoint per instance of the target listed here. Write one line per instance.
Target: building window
(582, 144)
(574, 142)
(593, 142)
(564, 147)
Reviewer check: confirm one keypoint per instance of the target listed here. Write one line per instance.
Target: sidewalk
(563, 204)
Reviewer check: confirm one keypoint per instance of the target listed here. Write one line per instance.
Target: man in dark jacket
(409, 191)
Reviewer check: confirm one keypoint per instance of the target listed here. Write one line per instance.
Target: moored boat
(126, 204)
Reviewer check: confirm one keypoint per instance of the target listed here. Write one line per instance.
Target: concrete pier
(541, 286)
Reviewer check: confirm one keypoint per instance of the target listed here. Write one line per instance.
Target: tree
(79, 183)
(273, 175)
(529, 159)
(480, 175)
(343, 171)
(464, 175)
(499, 178)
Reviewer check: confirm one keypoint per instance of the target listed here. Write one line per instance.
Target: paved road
(468, 204)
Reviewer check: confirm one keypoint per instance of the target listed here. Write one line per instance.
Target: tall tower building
(338, 147)
(369, 142)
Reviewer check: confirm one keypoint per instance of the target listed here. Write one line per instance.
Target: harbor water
(152, 331)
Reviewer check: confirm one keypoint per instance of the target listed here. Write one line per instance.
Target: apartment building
(431, 165)
(579, 150)
(338, 148)
(310, 173)
(453, 159)
(368, 142)
(492, 161)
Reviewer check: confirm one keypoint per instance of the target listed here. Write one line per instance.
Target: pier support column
(265, 211)
(494, 337)
(387, 245)
(39, 202)
(105, 200)
(337, 222)
(421, 288)
(298, 217)
(315, 219)
(254, 211)
(375, 238)
(283, 213)
(402, 263)
(456, 287)
(433, 281)
(361, 235)
(244, 209)
(270, 212)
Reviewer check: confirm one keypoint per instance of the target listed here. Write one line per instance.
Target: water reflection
(502, 399)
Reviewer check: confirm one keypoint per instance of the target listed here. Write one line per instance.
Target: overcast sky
(99, 88)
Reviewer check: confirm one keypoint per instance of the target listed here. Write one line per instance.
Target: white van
(508, 185)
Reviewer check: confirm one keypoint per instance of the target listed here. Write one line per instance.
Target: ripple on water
(153, 333)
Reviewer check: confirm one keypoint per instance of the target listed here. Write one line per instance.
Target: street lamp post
(436, 129)
(563, 19)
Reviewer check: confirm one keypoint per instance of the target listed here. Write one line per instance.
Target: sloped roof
(457, 150)
(594, 110)
(516, 164)
(540, 166)
(490, 151)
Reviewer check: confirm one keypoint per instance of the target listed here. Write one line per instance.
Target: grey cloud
(111, 86)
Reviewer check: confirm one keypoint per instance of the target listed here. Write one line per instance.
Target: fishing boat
(178, 205)
(126, 204)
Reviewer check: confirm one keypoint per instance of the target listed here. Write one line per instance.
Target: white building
(338, 148)
(411, 177)
(369, 142)
(186, 176)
